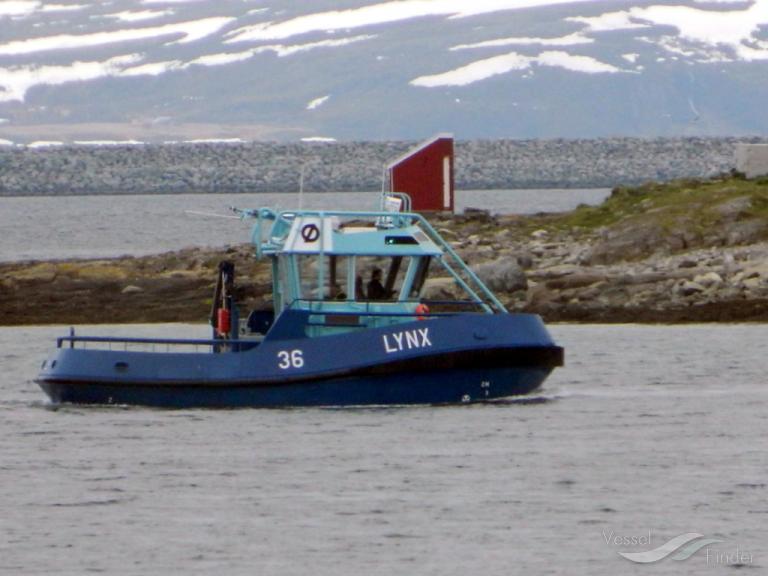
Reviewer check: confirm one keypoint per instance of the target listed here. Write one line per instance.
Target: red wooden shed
(425, 173)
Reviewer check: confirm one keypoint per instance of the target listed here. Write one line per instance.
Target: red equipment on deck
(224, 322)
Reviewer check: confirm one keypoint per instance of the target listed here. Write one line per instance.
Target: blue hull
(465, 358)
(423, 388)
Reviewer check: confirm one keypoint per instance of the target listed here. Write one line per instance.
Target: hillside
(381, 69)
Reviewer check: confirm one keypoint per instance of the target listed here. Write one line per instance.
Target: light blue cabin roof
(345, 233)
(358, 240)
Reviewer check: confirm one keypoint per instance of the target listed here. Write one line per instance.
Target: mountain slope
(155, 70)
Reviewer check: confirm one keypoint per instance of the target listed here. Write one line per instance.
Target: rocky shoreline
(688, 251)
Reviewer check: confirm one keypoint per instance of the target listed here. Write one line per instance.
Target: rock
(729, 264)
(735, 208)
(131, 289)
(628, 241)
(43, 273)
(557, 271)
(687, 263)
(483, 253)
(709, 280)
(689, 288)
(577, 255)
(592, 292)
(753, 284)
(525, 260)
(502, 235)
(745, 231)
(539, 234)
(477, 214)
(448, 233)
(578, 280)
(503, 275)
(714, 262)
(440, 289)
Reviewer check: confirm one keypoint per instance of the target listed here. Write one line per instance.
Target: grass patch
(688, 203)
(92, 270)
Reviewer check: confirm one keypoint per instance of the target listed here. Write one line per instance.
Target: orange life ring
(421, 311)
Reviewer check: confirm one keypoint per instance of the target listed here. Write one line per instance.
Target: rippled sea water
(647, 428)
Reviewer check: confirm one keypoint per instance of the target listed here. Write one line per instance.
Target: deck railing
(368, 312)
(189, 345)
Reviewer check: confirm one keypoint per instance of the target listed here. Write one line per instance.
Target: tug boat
(350, 325)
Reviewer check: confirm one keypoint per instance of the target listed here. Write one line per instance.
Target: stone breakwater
(355, 166)
(684, 252)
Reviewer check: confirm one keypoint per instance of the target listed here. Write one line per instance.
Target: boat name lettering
(406, 340)
(290, 359)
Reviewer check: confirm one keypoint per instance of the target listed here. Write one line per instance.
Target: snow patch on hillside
(151, 68)
(18, 8)
(489, 67)
(381, 13)
(317, 102)
(222, 59)
(608, 22)
(190, 32)
(17, 80)
(734, 29)
(705, 35)
(476, 71)
(569, 40)
(139, 16)
(283, 50)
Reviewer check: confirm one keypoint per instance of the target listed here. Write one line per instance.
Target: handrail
(368, 303)
(237, 344)
(437, 239)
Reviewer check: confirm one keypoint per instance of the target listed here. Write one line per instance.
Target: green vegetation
(694, 205)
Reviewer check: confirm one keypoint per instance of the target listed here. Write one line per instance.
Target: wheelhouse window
(338, 278)
(380, 278)
(358, 278)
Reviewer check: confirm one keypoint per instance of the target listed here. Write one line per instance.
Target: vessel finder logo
(683, 547)
(678, 548)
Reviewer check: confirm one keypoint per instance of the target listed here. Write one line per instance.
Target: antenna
(384, 191)
(384, 180)
(211, 214)
(301, 187)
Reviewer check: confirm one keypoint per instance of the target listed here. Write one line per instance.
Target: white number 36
(292, 359)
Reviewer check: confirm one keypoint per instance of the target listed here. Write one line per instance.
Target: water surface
(646, 428)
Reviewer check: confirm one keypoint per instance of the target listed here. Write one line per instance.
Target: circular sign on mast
(310, 233)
